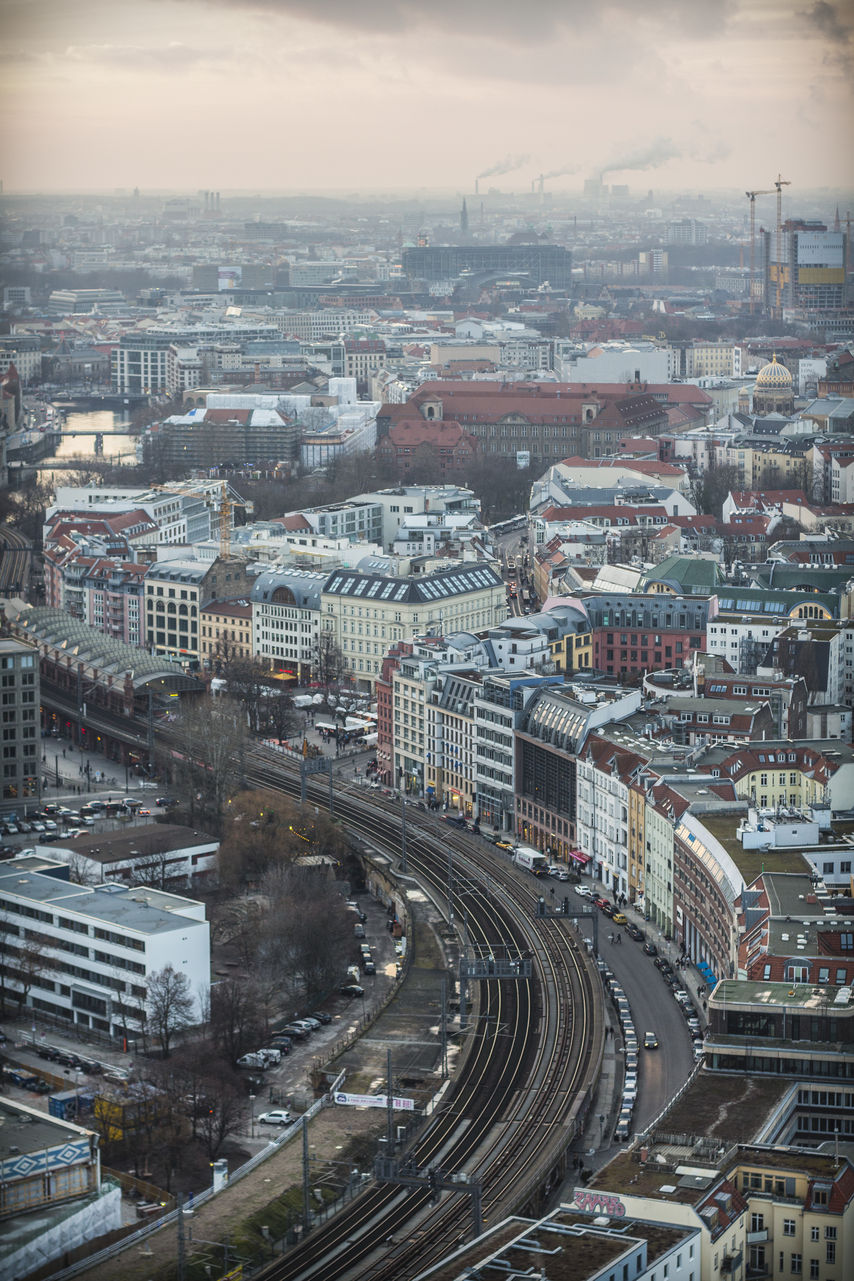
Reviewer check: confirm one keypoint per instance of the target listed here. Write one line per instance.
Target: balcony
(755, 1238)
(731, 1263)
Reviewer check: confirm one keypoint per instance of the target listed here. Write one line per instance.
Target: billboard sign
(374, 1101)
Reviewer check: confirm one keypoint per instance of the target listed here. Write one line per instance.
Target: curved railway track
(510, 1116)
(15, 561)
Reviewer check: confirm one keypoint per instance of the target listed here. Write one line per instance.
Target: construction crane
(751, 196)
(780, 183)
(225, 522)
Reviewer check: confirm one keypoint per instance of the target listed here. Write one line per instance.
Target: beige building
(367, 611)
(175, 591)
(226, 631)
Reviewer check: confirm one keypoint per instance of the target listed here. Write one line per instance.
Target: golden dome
(773, 376)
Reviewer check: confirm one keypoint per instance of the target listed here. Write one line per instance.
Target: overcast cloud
(328, 94)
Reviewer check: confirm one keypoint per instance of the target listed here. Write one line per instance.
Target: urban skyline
(285, 95)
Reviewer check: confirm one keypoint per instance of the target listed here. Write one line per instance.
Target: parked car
(321, 1016)
(603, 904)
(313, 1023)
(277, 1117)
(295, 1030)
(165, 802)
(635, 933)
(650, 949)
(583, 891)
(351, 989)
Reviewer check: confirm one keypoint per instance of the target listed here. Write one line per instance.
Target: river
(122, 447)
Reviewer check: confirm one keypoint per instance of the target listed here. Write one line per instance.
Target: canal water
(121, 448)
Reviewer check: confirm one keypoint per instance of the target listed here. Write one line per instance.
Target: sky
(334, 95)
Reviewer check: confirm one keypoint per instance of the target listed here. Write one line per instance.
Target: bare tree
(306, 937)
(211, 744)
(170, 1004)
(328, 663)
(235, 1021)
(223, 1110)
(249, 683)
(282, 717)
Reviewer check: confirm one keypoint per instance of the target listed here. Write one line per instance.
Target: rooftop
(576, 1247)
(752, 863)
(25, 1130)
(160, 838)
(789, 995)
(137, 909)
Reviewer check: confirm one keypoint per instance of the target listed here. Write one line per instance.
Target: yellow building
(226, 631)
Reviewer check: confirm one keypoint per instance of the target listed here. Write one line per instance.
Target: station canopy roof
(69, 637)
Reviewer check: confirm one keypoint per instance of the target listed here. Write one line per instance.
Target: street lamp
(252, 1116)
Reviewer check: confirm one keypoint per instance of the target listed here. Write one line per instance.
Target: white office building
(96, 947)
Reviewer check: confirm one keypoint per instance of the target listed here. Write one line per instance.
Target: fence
(171, 1216)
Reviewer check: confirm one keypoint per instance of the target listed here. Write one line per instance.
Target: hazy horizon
(314, 95)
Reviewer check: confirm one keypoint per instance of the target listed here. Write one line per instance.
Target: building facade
(19, 693)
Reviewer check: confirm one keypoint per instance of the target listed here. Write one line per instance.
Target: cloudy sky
(334, 94)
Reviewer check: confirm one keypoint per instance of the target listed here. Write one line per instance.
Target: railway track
(510, 1116)
(15, 561)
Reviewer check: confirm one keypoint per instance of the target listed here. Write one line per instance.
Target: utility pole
(443, 1029)
(450, 888)
(182, 1272)
(389, 1103)
(403, 866)
(306, 1190)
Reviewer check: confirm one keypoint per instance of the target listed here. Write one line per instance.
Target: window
(796, 1266)
(813, 1234)
(757, 1222)
(788, 1228)
(815, 1275)
(830, 1252)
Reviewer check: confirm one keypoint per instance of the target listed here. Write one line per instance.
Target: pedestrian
(610, 938)
(619, 938)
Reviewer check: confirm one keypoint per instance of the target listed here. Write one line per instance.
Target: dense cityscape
(427, 635)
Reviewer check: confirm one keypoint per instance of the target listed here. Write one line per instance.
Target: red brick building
(412, 441)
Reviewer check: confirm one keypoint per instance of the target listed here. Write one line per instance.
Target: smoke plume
(659, 151)
(507, 165)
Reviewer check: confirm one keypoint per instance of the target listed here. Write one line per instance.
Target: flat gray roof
(133, 908)
(24, 1129)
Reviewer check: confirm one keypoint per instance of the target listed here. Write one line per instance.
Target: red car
(604, 905)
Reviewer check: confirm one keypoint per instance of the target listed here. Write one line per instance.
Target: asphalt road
(661, 1071)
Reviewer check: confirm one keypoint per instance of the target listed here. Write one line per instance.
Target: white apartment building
(450, 776)
(602, 821)
(286, 618)
(403, 501)
(101, 944)
(412, 688)
(180, 517)
(314, 326)
(743, 640)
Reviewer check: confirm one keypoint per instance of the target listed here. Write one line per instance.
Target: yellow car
(503, 845)
(619, 918)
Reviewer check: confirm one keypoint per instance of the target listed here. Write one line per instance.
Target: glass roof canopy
(68, 637)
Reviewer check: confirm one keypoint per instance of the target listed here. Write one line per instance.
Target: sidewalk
(691, 979)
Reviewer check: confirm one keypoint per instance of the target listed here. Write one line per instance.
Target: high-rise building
(811, 273)
(19, 690)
